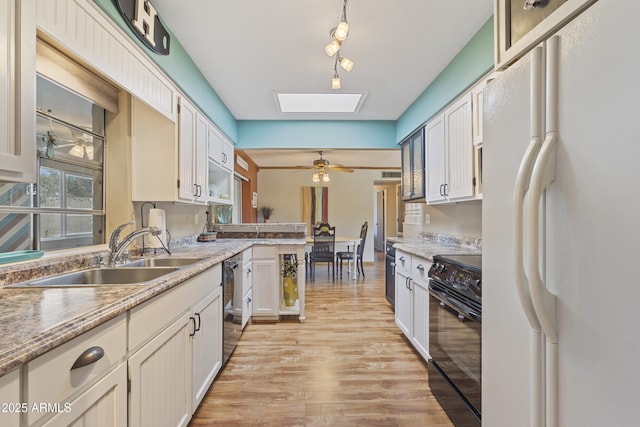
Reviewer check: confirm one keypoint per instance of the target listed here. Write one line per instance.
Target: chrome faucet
(117, 248)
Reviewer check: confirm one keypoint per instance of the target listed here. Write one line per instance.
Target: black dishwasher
(390, 274)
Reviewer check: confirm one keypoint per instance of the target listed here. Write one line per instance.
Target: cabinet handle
(248, 300)
(401, 259)
(420, 267)
(446, 191)
(193, 320)
(199, 322)
(89, 356)
(195, 190)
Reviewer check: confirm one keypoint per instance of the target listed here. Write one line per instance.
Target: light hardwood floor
(347, 365)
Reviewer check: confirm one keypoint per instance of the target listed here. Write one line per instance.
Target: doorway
(378, 221)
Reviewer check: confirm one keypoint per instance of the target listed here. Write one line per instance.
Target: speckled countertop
(36, 320)
(426, 245)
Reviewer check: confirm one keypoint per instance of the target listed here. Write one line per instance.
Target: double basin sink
(135, 272)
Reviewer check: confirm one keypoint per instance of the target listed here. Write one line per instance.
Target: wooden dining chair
(348, 255)
(324, 248)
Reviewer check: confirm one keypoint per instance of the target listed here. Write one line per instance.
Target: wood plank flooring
(347, 365)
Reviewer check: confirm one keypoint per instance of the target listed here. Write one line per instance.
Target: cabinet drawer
(403, 261)
(420, 269)
(246, 256)
(264, 252)
(51, 378)
(147, 319)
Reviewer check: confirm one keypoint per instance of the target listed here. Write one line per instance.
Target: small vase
(267, 220)
(289, 290)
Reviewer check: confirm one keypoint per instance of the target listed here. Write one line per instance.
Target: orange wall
(249, 213)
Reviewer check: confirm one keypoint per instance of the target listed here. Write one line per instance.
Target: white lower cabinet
(403, 292)
(412, 300)
(160, 378)
(10, 398)
(206, 346)
(265, 279)
(173, 369)
(103, 405)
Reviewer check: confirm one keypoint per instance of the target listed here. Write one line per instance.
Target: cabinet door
(403, 303)
(265, 291)
(206, 345)
(103, 405)
(435, 153)
(10, 395)
(407, 185)
(160, 375)
(459, 137)
(200, 175)
(417, 159)
(17, 91)
(187, 137)
(420, 317)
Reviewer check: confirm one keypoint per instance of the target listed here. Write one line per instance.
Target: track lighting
(338, 35)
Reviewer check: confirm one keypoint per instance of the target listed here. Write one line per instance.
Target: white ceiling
(250, 49)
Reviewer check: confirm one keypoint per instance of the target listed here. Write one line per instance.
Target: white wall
(458, 219)
(350, 199)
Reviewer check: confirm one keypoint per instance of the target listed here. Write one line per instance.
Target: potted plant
(289, 271)
(266, 212)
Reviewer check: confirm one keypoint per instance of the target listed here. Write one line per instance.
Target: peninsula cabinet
(449, 153)
(265, 280)
(268, 292)
(17, 91)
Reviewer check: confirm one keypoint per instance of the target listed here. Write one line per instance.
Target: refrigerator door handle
(522, 185)
(542, 177)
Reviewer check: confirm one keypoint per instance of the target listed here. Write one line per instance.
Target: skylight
(319, 102)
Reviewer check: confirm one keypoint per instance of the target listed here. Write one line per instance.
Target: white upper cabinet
(449, 153)
(192, 142)
(17, 91)
(220, 167)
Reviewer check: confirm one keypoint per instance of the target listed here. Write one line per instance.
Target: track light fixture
(338, 35)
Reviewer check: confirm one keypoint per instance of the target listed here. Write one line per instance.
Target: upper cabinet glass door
(413, 166)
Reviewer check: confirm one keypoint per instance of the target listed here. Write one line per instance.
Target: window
(65, 208)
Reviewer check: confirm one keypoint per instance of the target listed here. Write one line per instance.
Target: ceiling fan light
(325, 177)
(315, 177)
(77, 151)
(342, 31)
(89, 151)
(346, 64)
(335, 82)
(332, 48)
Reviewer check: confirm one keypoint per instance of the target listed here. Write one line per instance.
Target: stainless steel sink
(161, 262)
(100, 277)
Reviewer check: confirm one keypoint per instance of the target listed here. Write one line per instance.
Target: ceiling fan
(321, 168)
(323, 165)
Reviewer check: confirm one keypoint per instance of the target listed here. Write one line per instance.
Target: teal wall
(471, 63)
(316, 134)
(184, 73)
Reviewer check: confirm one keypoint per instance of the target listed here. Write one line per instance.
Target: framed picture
(254, 200)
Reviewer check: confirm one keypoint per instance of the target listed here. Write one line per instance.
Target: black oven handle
(462, 309)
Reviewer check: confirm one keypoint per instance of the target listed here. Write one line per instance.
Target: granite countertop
(429, 244)
(36, 320)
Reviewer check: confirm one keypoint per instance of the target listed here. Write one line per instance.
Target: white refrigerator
(564, 348)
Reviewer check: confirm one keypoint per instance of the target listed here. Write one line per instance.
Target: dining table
(352, 242)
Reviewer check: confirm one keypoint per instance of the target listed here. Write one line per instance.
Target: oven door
(455, 343)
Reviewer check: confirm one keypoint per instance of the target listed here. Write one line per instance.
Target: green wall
(471, 63)
(184, 73)
(316, 134)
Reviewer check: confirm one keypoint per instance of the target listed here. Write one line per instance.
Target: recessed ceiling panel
(319, 102)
